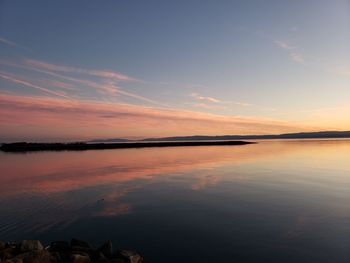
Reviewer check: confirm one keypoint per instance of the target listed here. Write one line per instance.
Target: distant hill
(109, 140)
(300, 135)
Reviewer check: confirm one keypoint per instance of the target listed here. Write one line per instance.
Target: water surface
(276, 201)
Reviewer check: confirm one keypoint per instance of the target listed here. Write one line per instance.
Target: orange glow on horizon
(45, 118)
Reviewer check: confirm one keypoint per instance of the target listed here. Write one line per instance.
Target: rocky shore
(75, 251)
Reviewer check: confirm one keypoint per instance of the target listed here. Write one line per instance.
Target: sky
(78, 70)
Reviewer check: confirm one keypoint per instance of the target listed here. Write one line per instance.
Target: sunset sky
(77, 70)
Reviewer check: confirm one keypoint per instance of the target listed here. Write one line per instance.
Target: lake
(275, 201)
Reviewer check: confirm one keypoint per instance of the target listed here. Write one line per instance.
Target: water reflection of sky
(278, 200)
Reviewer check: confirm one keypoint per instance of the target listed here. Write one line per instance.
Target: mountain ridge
(298, 135)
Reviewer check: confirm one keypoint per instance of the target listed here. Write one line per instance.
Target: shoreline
(29, 147)
(75, 251)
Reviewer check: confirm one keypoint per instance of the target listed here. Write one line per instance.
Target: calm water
(276, 201)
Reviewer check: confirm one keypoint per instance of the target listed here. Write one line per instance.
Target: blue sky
(285, 62)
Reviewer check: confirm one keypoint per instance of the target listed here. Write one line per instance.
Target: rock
(23, 256)
(12, 245)
(60, 250)
(97, 256)
(106, 249)
(79, 243)
(119, 260)
(84, 251)
(76, 258)
(57, 257)
(8, 253)
(78, 251)
(31, 245)
(130, 256)
(102, 260)
(80, 247)
(59, 246)
(2, 245)
(14, 260)
(42, 256)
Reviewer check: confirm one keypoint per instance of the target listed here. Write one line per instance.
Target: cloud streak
(12, 44)
(211, 103)
(285, 45)
(297, 57)
(109, 74)
(58, 84)
(202, 98)
(292, 50)
(107, 85)
(112, 119)
(16, 80)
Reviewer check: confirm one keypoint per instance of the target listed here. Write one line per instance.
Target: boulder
(98, 256)
(57, 257)
(14, 260)
(102, 260)
(8, 253)
(60, 246)
(83, 251)
(81, 247)
(31, 245)
(106, 249)
(2, 245)
(77, 251)
(42, 256)
(60, 250)
(79, 243)
(130, 256)
(76, 258)
(119, 260)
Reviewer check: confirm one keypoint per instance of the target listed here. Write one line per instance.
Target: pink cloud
(73, 118)
(107, 86)
(208, 107)
(214, 103)
(57, 84)
(202, 98)
(60, 68)
(14, 79)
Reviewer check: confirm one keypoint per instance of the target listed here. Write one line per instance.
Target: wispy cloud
(285, 45)
(243, 104)
(57, 84)
(209, 106)
(214, 103)
(115, 119)
(61, 68)
(202, 98)
(107, 84)
(293, 51)
(12, 78)
(12, 44)
(297, 57)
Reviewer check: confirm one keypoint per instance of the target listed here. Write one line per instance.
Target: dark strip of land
(28, 147)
